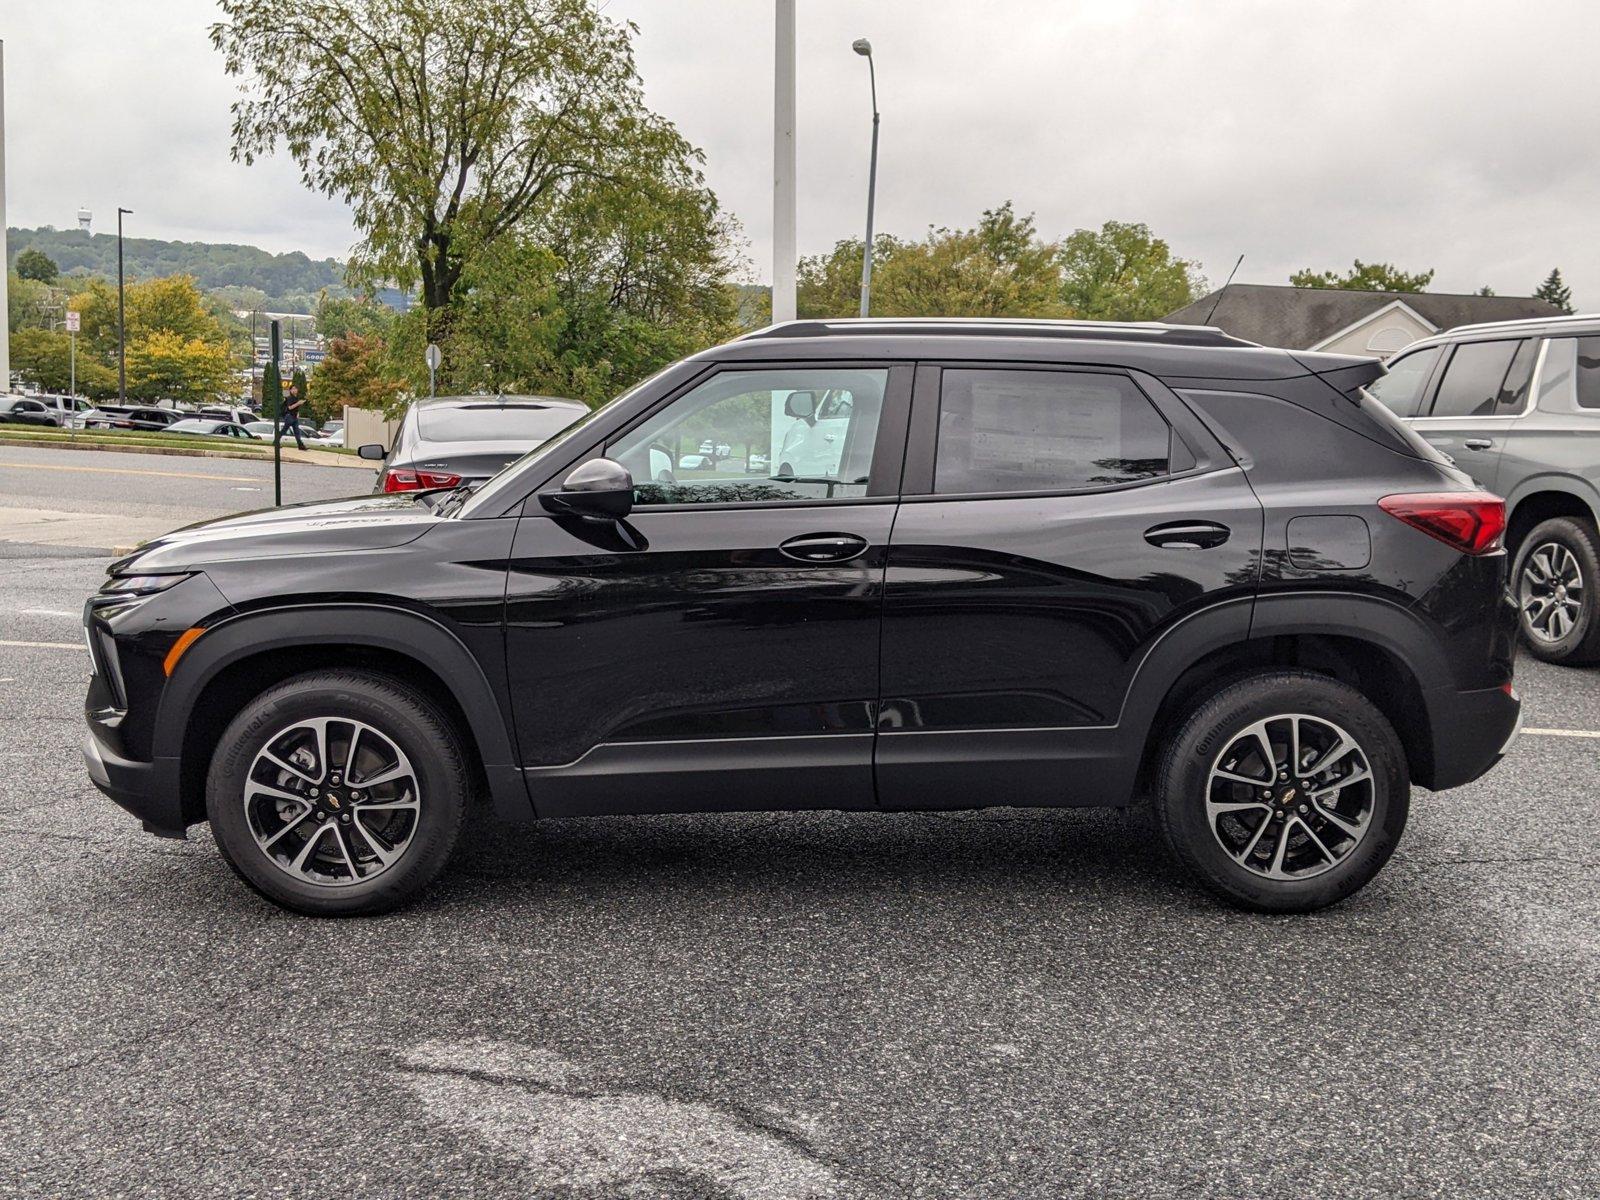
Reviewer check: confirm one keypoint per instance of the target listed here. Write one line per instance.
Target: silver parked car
(1517, 405)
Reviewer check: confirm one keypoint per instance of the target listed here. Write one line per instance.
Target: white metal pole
(5, 306)
(783, 166)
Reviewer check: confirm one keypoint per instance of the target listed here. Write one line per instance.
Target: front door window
(759, 436)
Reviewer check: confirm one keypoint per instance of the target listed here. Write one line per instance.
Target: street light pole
(864, 48)
(122, 318)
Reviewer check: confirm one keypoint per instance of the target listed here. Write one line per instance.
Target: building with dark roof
(1347, 322)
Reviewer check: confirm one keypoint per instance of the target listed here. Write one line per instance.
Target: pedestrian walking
(292, 400)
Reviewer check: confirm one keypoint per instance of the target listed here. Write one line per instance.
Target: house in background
(1347, 322)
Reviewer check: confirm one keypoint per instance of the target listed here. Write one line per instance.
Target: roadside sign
(434, 358)
(73, 321)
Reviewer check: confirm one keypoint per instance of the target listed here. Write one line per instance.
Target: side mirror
(372, 450)
(802, 405)
(599, 488)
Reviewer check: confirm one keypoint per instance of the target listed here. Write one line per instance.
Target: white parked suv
(813, 444)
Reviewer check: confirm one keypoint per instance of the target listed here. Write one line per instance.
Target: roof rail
(1525, 323)
(1022, 327)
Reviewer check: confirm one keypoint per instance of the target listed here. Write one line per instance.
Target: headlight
(143, 585)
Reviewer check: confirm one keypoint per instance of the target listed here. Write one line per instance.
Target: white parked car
(813, 445)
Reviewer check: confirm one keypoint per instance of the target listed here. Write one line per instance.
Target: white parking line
(47, 612)
(1577, 733)
(45, 645)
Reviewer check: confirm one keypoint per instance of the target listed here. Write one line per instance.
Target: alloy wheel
(1290, 797)
(1550, 592)
(332, 801)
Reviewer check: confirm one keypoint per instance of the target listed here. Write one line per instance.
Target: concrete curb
(306, 457)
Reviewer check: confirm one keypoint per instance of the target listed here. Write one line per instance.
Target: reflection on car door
(718, 648)
(1055, 524)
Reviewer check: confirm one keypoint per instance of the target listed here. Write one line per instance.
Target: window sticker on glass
(1016, 431)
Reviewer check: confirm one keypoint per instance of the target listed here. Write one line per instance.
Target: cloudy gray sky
(1453, 134)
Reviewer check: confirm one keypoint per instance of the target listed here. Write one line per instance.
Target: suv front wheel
(1555, 580)
(1284, 791)
(338, 792)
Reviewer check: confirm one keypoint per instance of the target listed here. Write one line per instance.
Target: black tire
(427, 738)
(1211, 728)
(785, 470)
(1579, 645)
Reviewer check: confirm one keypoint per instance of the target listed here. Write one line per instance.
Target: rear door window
(1401, 389)
(1045, 431)
(1473, 378)
(1514, 389)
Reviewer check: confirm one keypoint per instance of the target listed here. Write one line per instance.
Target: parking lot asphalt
(990, 1004)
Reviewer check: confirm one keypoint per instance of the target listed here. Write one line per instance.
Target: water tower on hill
(84, 217)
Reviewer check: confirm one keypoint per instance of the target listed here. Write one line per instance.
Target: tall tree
(168, 366)
(1365, 277)
(444, 124)
(1123, 272)
(37, 265)
(1000, 267)
(1555, 291)
(353, 373)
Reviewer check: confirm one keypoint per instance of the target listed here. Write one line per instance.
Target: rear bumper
(1471, 733)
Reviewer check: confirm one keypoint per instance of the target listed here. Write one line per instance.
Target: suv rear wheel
(338, 792)
(1283, 791)
(1555, 581)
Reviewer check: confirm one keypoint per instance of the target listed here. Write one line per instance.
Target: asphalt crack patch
(530, 1105)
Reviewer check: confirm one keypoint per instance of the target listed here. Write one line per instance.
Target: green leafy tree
(444, 124)
(37, 265)
(355, 372)
(271, 391)
(1123, 272)
(303, 387)
(1555, 291)
(341, 316)
(29, 303)
(1365, 277)
(43, 357)
(167, 365)
(1000, 267)
(829, 285)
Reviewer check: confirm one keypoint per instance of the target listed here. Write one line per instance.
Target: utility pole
(783, 165)
(122, 317)
(5, 339)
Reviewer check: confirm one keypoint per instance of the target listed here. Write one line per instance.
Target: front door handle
(824, 547)
(1187, 535)
(1478, 443)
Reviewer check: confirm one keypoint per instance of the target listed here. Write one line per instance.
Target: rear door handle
(1187, 535)
(1478, 443)
(824, 547)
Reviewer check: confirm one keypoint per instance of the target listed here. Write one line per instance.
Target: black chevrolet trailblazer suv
(943, 564)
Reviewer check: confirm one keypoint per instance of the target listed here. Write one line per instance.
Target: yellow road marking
(128, 471)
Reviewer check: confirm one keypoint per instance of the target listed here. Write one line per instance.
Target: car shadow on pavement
(1093, 850)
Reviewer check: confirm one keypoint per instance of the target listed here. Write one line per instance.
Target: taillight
(398, 480)
(1472, 522)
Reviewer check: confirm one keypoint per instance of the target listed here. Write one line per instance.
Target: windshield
(494, 422)
(490, 492)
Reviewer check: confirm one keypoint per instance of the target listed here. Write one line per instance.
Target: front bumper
(149, 790)
(1471, 733)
